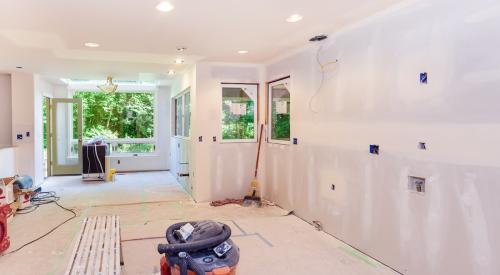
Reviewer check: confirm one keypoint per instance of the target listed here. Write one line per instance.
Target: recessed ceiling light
(179, 61)
(171, 72)
(164, 6)
(181, 49)
(294, 18)
(242, 51)
(91, 45)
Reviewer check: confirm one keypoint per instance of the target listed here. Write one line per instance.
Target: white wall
(374, 96)
(221, 170)
(23, 114)
(5, 111)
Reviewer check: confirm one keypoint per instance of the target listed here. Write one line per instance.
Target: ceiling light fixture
(179, 61)
(294, 18)
(109, 87)
(171, 72)
(91, 44)
(165, 6)
(242, 51)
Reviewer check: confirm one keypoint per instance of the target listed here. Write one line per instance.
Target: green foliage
(281, 130)
(281, 124)
(238, 126)
(117, 115)
(136, 148)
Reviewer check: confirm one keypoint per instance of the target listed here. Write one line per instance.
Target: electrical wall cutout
(295, 141)
(423, 78)
(374, 149)
(422, 146)
(19, 137)
(28, 134)
(214, 139)
(416, 184)
(332, 187)
(200, 139)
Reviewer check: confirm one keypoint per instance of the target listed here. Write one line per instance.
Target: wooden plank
(118, 246)
(81, 252)
(96, 267)
(93, 254)
(98, 247)
(77, 246)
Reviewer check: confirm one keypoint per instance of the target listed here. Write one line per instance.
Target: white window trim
(286, 81)
(255, 113)
(178, 96)
(130, 89)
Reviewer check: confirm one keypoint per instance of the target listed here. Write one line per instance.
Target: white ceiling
(139, 42)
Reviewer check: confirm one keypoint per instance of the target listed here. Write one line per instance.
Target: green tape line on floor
(358, 255)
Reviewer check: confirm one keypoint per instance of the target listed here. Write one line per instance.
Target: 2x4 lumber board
(97, 250)
(117, 245)
(81, 253)
(77, 246)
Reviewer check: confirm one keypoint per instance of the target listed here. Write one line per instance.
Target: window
(239, 112)
(124, 119)
(279, 111)
(182, 114)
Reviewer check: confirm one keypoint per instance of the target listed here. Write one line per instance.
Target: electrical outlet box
(422, 146)
(200, 139)
(374, 149)
(332, 187)
(19, 137)
(295, 141)
(423, 78)
(416, 184)
(214, 139)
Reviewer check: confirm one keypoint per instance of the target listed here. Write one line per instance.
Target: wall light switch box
(374, 149)
(200, 139)
(295, 141)
(28, 134)
(19, 137)
(423, 78)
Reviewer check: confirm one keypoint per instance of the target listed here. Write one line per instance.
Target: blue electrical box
(423, 78)
(374, 149)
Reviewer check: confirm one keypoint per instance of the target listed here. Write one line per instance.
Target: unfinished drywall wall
(5, 111)
(223, 170)
(374, 96)
(43, 88)
(23, 122)
(217, 170)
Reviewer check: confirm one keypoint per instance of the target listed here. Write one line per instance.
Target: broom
(253, 196)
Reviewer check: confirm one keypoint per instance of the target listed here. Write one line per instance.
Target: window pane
(238, 121)
(280, 113)
(135, 148)
(117, 115)
(178, 116)
(187, 114)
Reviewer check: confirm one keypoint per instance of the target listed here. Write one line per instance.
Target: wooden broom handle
(258, 150)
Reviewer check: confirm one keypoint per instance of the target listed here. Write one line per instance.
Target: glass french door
(66, 136)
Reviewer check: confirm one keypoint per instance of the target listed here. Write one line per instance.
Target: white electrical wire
(98, 160)
(322, 79)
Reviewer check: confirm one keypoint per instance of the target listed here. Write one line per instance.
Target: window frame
(181, 96)
(287, 82)
(255, 111)
(114, 142)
